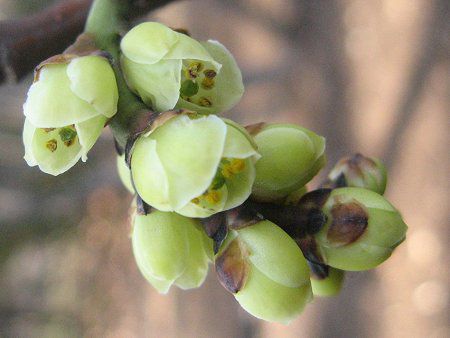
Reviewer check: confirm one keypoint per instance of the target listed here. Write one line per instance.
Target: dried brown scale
(142, 208)
(254, 129)
(349, 222)
(339, 182)
(216, 228)
(242, 217)
(231, 266)
(318, 271)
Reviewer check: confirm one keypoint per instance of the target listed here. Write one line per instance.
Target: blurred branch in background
(433, 47)
(26, 42)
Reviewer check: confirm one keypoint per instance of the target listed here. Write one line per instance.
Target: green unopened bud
(361, 231)
(167, 69)
(329, 286)
(195, 165)
(358, 171)
(66, 109)
(266, 271)
(290, 157)
(124, 173)
(171, 249)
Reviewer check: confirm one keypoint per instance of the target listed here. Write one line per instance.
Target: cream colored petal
(148, 42)
(158, 84)
(58, 161)
(149, 175)
(51, 103)
(190, 151)
(88, 133)
(92, 79)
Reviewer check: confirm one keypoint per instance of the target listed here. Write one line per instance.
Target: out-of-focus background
(371, 76)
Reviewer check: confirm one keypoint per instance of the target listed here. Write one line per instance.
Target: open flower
(171, 249)
(266, 272)
(195, 165)
(290, 157)
(167, 69)
(66, 109)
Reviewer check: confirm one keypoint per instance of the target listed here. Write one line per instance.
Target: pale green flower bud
(358, 171)
(171, 249)
(290, 157)
(124, 174)
(66, 109)
(361, 231)
(194, 165)
(331, 285)
(167, 69)
(266, 271)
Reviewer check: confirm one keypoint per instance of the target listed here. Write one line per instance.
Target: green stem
(104, 23)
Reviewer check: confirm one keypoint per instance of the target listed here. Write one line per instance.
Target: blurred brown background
(370, 75)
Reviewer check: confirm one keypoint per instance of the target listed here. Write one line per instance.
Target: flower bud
(290, 157)
(266, 271)
(361, 231)
(66, 109)
(167, 69)
(331, 285)
(124, 174)
(359, 171)
(171, 249)
(195, 165)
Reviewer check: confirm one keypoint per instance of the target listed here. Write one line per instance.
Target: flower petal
(51, 102)
(160, 244)
(275, 254)
(28, 134)
(92, 80)
(61, 158)
(157, 84)
(240, 186)
(148, 42)
(237, 145)
(190, 151)
(265, 299)
(197, 264)
(88, 133)
(149, 175)
(188, 48)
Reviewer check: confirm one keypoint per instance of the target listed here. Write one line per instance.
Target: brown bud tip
(349, 221)
(232, 267)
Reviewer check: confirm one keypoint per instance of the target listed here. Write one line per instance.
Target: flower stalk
(105, 24)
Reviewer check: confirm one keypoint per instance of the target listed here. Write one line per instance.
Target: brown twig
(26, 42)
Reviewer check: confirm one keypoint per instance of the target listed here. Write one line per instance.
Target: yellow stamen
(210, 73)
(212, 196)
(52, 145)
(234, 167)
(204, 102)
(208, 83)
(193, 70)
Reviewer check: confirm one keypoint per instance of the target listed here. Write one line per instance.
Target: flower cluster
(208, 190)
